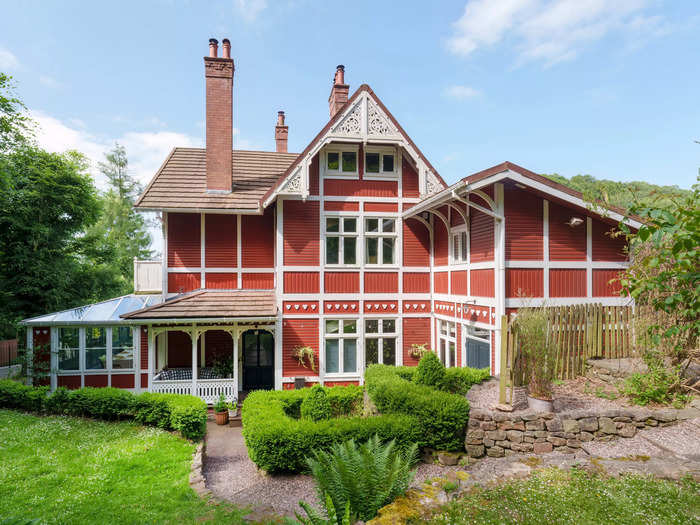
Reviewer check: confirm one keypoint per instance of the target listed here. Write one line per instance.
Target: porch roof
(211, 305)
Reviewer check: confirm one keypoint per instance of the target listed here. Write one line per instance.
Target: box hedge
(279, 441)
(442, 416)
(183, 413)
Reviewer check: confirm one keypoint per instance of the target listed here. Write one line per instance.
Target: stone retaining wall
(499, 434)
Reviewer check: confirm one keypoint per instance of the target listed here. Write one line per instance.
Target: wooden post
(193, 333)
(504, 361)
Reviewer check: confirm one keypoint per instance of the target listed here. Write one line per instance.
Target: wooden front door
(258, 360)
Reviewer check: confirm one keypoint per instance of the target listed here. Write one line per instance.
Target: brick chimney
(339, 91)
(218, 72)
(281, 132)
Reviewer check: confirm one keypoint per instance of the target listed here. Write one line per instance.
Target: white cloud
(7, 59)
(461, 92)
(250, 9)
(550, 31)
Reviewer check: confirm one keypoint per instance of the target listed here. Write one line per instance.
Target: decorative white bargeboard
(207, 389)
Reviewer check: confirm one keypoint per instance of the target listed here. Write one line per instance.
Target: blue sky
(567, 86)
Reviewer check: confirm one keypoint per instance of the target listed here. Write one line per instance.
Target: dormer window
(341, 162)
(380, 162)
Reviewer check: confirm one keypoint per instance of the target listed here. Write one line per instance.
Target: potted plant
(221, 408)
(305, 355)
(532, 327)
(418, 351)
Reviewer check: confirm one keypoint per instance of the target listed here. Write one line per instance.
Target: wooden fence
(577, 334)
(8, 352)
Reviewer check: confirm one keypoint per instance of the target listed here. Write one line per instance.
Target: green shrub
(313, 517)
(430, 371)
(188, 415)
(367, 476)
(101, 403)
(406, 372)
(442, 416)
(316, 405)
(14, 394)
(278, 441)
(460, 380)
(58, 402)
(152, 409)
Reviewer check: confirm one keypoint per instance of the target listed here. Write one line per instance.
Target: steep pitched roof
(204, 304)
(340, 114)
(181, 182)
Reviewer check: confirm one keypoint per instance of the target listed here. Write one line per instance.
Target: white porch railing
(207, 389)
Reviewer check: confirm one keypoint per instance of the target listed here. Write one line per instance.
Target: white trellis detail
(432, 184)
(377, 122)
(293, 184)
(352, 123)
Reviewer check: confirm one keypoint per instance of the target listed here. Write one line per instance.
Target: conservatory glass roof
(105, 312)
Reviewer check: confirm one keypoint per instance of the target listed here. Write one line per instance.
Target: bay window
(447, 343)
(69, 349)
(341, 346)
(341, 240)
(380, 240)
(380, 341)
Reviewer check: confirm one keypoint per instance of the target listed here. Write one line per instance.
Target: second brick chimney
(339, 91)
(281, 133)
(218, 72)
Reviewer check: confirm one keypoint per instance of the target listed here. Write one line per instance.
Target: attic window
(380, 162)
(341, 162)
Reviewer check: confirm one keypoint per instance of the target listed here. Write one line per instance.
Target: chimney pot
(280, 118)
(339, 91)
(339, 74)
(227, 48)
(213, 47)
(281, 133)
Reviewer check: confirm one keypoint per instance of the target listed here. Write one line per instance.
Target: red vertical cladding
(441, 282)
(258, 281)
(381, 282)
(360, 188)
(258, 240)
(120, 380)
(70, 382)
(416, 244)
(566, 243)
(409, 183)
(341, 282)
(482, 284)
(180, 350)
(300, 231)
(144, 348)
(99, 380)
(295, 333)
(218, 344)
(301, 282)
(341, 206)
(455, 217)
(184, 240)
(220, 240)
(481, 236)
(416, 282)
(221, 281)
(459, 282)
(605, 247)
(523, 212)
(416, 331)
(381, 206)
(524, 282)
(565, 282)
(183, 282)
(606, 283)
(41, 338)
(441, 240)
(313, 176)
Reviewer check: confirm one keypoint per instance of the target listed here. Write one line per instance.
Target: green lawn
(70, 470)
(556, 497)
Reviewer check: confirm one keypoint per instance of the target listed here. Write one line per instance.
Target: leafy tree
(15, 126)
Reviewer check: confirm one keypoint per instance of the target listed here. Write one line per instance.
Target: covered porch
(211, 343)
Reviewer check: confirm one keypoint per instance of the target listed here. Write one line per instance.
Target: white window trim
(357, 235)
(380, 336)
(58, 349)
(341, 337)
(456, 234)
(82, 350)
(379, 235)
(339, 174)
(448, 339)
(465, 336)
(382, 175)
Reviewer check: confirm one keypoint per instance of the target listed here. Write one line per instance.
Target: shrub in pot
(532, 328)
(221, 408)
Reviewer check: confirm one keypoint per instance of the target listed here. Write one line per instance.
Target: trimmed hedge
(278, 441)
(442, 416)
(316, 406)
(184, 413)
(460, 380)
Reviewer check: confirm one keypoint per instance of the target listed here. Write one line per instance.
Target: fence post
(504, 360)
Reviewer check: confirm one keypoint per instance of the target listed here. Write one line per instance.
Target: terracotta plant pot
(221, 417)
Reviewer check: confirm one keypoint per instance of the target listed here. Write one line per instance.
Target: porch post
(151, 356)
(30, 354)
(53, 358)
(234, 334)
(136, 357)
(194, 359)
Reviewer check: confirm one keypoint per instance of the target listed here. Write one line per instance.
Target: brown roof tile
(207, 304)
(181, 182)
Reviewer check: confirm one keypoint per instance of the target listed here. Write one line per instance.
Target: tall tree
(15, 125)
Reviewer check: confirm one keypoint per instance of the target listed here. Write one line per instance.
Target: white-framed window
(380, 341)
(460, 243)
(340, 346)
(341, 240)
(69, 349)
(122, 348)
(342, 161)
(95, 348)
(447, 343)
(380, 162)
(380, 240)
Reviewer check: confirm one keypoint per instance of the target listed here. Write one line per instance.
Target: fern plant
(313, 517)
(366, 477)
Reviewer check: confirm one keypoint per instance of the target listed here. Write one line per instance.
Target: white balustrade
(207, 389)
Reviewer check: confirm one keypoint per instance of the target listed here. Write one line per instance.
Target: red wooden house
(356, 248)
